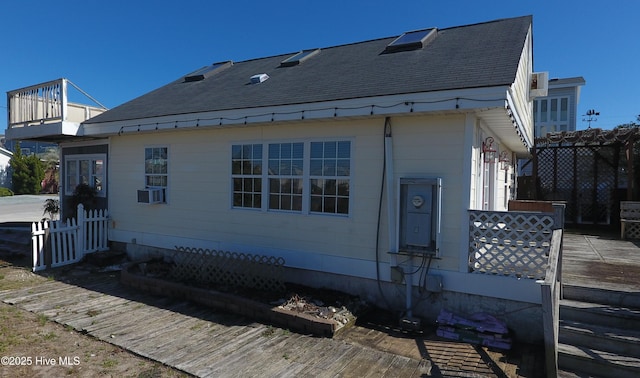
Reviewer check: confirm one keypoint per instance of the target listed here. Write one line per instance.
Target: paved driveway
(23, 208)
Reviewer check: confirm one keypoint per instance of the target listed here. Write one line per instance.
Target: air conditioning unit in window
(539, 86)
(151, 195)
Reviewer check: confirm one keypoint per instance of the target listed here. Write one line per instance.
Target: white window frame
(281, 169)
(306, 177)
(543, 126)
(146, 175)
(92, 176)
(245, 184)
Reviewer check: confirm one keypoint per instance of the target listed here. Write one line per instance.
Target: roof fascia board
(441, 101)
(518, 124)
(567, 83)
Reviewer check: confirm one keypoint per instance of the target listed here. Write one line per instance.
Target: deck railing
(38, 104)
(510, 243)
(45, 103)
(551, 294)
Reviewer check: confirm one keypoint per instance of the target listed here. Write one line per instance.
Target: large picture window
(303, 177)
(85, 169)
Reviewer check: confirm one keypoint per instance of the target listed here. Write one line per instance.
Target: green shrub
(28, 173)
(5, 192)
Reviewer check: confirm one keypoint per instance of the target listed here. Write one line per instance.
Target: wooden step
(597, 363)
(600, 314)
(615, 340)
(614, 297)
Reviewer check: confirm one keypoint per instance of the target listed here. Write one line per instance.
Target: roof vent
(413, 40)
(259, 78)
(207, 71)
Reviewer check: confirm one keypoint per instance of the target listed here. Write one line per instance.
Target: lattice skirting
(632, 230)
(228, 268)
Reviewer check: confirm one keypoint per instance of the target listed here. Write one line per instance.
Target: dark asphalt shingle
(472, 56)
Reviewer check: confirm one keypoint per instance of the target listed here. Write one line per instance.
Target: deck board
(210, 343)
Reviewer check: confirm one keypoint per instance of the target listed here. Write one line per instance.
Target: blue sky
(117, 50)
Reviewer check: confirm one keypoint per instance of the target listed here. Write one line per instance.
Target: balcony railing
(46, 103)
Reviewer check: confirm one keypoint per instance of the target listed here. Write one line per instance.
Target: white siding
(199, 213)
(5, 157)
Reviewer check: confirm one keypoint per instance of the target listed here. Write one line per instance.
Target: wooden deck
(205, 342)
(200, 341)
(209, 343)
(601, 259)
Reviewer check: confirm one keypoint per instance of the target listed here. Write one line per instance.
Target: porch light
(505, 161)
(488, 150)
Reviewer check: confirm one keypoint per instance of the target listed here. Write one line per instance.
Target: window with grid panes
(286, 176)
(246, 173)
(156, 173)
(330, 171)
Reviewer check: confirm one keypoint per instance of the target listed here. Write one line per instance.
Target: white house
(5, 157)
(357, 164)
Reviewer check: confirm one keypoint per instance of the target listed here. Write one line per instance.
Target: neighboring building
(558, 111)
(5, 178)
(357, 164)
(555, 112)
(31, 147)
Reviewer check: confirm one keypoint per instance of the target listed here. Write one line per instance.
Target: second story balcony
(43, 112)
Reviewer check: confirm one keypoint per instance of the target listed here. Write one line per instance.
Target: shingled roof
(473, 56)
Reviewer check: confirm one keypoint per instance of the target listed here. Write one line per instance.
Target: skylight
(299, 58)
(207, 71)
(411, 40)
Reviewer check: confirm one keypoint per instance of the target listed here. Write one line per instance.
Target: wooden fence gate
(58, 243)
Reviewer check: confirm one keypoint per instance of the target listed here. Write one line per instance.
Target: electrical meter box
(419, 215)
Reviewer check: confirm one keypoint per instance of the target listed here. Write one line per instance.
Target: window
(411, 40)
(207, 71)
(299, 58)
(329, 177)
(155, 168)
(246, 172)
(285, 176)
(302, 177)
(551, 115)
(85, 169)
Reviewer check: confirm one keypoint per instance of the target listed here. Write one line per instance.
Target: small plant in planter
(83, 194)
(86, 195)
(52, 207)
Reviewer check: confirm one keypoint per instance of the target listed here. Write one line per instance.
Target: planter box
(297, 322)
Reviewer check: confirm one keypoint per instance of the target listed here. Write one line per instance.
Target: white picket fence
(69, 240)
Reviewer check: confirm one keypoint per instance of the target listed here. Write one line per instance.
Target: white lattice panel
(629, 217)
(510, 243)
(228, 268)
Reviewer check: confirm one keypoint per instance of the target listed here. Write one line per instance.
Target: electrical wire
(221, 120)
(387, 132)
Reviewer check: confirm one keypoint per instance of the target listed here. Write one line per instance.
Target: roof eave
(426, 102)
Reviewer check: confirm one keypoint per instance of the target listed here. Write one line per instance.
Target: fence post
(81, 231)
